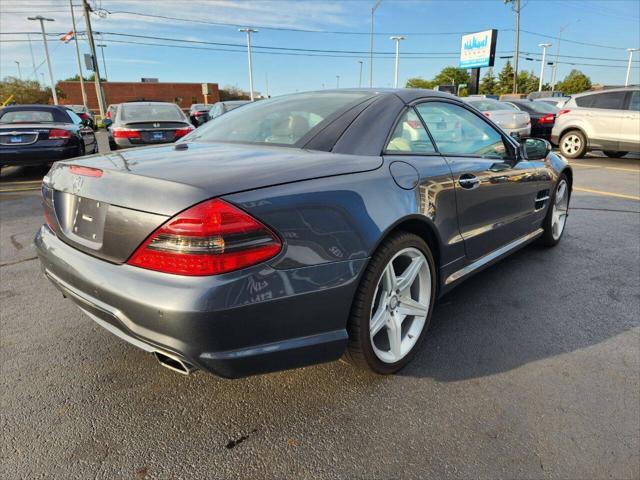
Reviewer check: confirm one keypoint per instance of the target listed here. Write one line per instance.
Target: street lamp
(544, 57)
(630, 50)
(249, 31)
(360, 78)
(555, 64)
(19, 71)
(104, 64)
(397, 39)
(373, 11)
(42, 19)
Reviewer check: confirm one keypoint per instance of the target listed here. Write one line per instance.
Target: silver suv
(608, 120)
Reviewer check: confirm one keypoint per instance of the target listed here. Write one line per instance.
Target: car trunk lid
(23, 134)
(106, 205)
(509, 118)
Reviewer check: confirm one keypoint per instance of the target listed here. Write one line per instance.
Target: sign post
(205, 92)
(478, 50)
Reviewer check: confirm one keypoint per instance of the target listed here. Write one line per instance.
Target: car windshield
(27, 116)
(283, 120)
(541, 107)
(489, 105)
(231, 105)
(149, 113)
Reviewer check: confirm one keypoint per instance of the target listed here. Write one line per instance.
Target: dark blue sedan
(41, 134)
(297, 230)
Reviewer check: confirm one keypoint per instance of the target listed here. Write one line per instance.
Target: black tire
(547, 239)
(612, 154)
(573, 144)
(360, 351)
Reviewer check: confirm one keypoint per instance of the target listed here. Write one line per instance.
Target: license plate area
(15, 139)
(81, 219)
(157, 135)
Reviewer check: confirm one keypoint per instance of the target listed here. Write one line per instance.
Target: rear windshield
(231, 105)
(201, 107)
(488, 105)
(78, 108)
(283, 120)
(539, 107)
(27, 116)
(150, 113)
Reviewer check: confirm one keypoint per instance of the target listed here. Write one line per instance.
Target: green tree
(232, 93)
(24, 91)
(419, 82)
(527, 82)
(76, 78)
(488, 84)
(505, 79)
(451, 76)
(575, 82)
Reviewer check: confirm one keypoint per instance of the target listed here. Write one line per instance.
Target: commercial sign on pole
(478, 49)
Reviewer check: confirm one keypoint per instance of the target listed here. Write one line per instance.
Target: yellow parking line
(608, 194)
(590, 165)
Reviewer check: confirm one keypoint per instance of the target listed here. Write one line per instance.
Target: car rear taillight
(85, 171)
(547, 119)
(209, 238)
(562, 112)
(83, 116)
(59, 134)
(198, 114)
(49, 222)
(181, 132)
(108, 114)
(125, 133)
(486, 114)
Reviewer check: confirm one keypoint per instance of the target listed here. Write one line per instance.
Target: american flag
(67, 37)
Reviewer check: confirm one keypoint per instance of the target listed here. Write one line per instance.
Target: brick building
(182, 94)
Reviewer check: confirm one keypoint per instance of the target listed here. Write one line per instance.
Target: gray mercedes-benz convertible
(297, 230)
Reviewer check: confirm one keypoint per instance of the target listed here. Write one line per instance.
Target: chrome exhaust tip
(174, 363)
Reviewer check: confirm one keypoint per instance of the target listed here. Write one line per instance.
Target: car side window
(410, 136)
(609, 100)
(74, 117)
(457, 131)
(634, 102)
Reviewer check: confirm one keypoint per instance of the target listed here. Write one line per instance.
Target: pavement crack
(16, 243)
(17, 261)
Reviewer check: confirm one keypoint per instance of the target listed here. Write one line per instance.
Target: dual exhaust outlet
(174, 363)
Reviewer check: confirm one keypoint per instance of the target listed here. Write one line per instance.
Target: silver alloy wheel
(571, 144)
(400, 305)
(559, 210)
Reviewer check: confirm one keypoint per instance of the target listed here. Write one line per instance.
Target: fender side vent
(542, 198)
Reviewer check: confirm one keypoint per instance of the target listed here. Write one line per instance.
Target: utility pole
(544, 59)
(373, 11)
(42, 19)
(397, 39)
(266, 82)
(517, 49)
(555, 64)
(33, 58)
(360, 78)
(104, 64)
(75, 38)
(337, 81)
(249, 31)
(20, 71)
(96, 68)
(630, 50)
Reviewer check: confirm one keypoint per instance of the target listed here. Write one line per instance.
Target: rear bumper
(30, 156)
(252, 321)
(522, 132)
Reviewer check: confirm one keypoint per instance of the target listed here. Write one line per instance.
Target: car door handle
(468, 181)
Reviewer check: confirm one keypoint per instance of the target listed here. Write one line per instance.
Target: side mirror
(536, 148)
(107, 122)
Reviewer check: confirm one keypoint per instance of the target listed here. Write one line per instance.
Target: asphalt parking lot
(531, 369)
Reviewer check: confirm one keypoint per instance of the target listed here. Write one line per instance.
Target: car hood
(166, 179)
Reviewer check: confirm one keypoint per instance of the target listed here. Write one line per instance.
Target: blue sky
(608, 23)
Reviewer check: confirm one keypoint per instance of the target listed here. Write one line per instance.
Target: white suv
(607, 120)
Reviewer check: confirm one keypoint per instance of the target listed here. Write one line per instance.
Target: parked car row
(200, 113)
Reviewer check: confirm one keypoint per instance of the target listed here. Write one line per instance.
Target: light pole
(249, 31)
(555, 64)
(42, 19)
(373, 11)
(397, 39)
(104, 64)
(630, 50)
(96, 69)
(33, 59)
(337, 81)
(544, 58)
(20, 71)
(360, 78)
